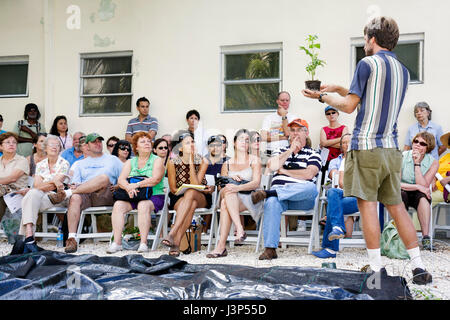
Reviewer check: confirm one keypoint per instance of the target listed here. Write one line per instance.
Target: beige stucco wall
(176, 54)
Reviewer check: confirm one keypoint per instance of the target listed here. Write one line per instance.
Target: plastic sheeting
(54, 275)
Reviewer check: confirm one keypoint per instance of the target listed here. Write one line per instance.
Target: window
(13, 76)
(106, 84)
(409, 51)
(251, 77)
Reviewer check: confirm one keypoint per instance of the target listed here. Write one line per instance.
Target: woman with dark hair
(122, 150)
(38, 152)
(422, 112)
(61, 130)
(195, 127)
(244, 168)
(224, 145)
(187, 167)
(111, 142)
(27, 129)
(418, 170)
(161, 149)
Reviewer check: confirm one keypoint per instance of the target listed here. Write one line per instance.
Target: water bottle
(59, 238)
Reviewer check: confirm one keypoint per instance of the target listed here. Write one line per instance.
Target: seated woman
(161, 149)
(50, 175)
(13, 169)
(336, 226)
(144, 164)
(187, 167)
(122, 150)
(243, 166)
(418, 170)
(38, 152)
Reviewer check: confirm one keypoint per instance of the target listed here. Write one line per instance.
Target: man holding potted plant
(275, 130)
(372, 168)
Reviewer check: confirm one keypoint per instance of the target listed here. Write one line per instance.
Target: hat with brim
(445, 138)
(92, 137)
(299, 122)
(328, 108)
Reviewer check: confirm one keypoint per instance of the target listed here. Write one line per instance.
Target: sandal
(241, 239)
(167, 241)
(217, 255)
(174, 251)
(323, 221)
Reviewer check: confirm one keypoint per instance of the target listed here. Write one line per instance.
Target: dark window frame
(17, 60)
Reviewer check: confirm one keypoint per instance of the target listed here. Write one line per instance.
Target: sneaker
(57, 197)
(30, 247)
(426, 243)
(142, 248)
(71, 245)
(336, 234)
(324, 254)
(258, 195)
(421, 276)
(113, 248)
(301, 225)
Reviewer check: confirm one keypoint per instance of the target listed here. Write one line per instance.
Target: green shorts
(373, 175)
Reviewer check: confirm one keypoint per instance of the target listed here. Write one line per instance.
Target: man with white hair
(74, 153)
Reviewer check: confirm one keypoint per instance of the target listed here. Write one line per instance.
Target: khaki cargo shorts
(102, 197)
(373, 175)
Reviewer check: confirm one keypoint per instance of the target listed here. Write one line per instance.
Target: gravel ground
(436, 262)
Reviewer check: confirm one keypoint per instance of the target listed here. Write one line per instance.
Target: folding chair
(45, 234)
(438, 207)
(253, 236)
(93, 212)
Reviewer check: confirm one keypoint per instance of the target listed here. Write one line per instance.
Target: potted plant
(311, 49)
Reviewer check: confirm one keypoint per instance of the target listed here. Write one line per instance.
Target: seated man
(293, 185)
(74, 153)
(92, 182)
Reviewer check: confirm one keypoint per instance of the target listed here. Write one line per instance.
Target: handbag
(222, 181)
(144, 193)
(390, 243)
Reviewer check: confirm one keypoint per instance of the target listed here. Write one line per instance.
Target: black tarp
(54, 275)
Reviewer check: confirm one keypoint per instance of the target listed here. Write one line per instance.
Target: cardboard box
(195, 237)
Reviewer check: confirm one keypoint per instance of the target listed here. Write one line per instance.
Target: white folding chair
(436, 226)
(45, 234)
(93, 212)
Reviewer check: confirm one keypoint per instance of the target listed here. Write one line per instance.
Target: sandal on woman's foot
(241, 238)
(167, 241)
(323, 221)
(174, 251)
(217, 255)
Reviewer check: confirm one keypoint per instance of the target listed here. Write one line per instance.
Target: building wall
(176, 54)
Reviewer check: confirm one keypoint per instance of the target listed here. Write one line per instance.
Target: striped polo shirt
(381, 82)
(306, 157)
(135, 126)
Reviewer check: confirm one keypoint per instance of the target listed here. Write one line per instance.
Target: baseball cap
(214, 139)
(91, 137)
(299, 122)
(330, 108)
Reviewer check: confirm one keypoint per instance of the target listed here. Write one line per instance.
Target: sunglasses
(124, 148)
(330, 113)
(423, 144)
(163, 148)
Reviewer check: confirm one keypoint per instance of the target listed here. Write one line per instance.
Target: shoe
(336, 234)
(174, 251)
(217, 255)
(368, 269)
(421, 276)
(258, 196)
(241, 239)
(324, 254)
(301, 225)
(426, 243)
(167, 241)
(57, 197)
(71, 245)
(30, 247)
(114, 247)
(268, 254)
(142, 248)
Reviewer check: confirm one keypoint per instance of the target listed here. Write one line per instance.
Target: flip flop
(241, 239)
(217, 255)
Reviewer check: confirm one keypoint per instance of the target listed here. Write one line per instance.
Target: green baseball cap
(91, 137)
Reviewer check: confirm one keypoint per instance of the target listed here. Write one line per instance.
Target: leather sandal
(241, 239)
(167, 241)
(174, 251)
(217, 255)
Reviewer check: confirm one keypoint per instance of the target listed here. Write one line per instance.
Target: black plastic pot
(313, 85)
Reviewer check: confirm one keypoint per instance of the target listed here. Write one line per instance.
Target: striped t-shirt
(135, 126)
(381, 82)
(306, 157)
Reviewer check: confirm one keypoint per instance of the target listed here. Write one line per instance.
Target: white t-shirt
(272, 124)
(342, 166)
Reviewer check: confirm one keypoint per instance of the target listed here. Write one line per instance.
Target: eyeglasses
(215, 145)
(124, 148)
(330, 113)
(111, 145)
(423, 144)
(257, 139)
(163, 148)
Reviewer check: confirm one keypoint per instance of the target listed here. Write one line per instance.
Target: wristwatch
(284, 118)
(320, 97)
(416, 164)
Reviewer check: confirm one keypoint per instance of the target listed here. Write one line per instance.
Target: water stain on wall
(103, 42)
(106, 10)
